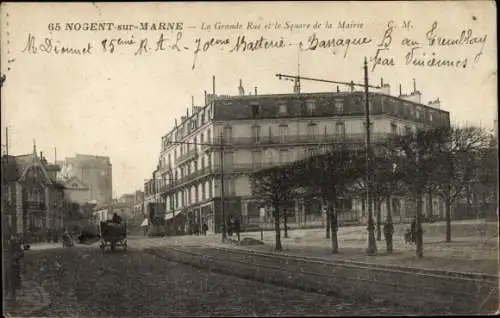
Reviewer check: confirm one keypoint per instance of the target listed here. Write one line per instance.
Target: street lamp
(372, 245)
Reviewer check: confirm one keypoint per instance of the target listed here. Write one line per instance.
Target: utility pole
(223, 215)
(372, 245)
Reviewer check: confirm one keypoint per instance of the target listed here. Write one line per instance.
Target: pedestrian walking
(229, 228)
(205, 228)
(236, 225)
(413, 230)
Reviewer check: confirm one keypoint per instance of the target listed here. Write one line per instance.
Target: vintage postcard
(249, 158)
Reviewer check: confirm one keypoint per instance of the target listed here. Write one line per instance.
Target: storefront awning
(145, 222)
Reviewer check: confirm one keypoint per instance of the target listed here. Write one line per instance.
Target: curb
(409, 269)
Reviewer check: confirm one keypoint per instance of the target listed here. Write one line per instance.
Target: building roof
(240, 107)
(75, 183)
(353, 103)
(15, 168)
(10, 169)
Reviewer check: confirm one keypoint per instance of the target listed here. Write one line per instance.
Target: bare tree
(457, 159)
(386, 181)
(272, 187)
(328, 175)
(415, 158)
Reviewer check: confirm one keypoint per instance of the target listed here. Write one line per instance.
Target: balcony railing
(187, 155)
(300, 139)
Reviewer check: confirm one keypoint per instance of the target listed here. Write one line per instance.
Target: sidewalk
(465, 254)
(30, 298)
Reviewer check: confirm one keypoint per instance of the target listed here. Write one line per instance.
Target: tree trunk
(277, 228)
(378, 216)
(285, 223)
(328, 221)
(333, 225)
(429, 203)
(389, 227)
(447, 204)
(418, 230)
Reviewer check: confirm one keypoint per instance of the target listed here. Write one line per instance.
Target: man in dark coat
(116, 218)
(236, 225)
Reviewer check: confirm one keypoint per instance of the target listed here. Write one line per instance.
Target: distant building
(265, 130)
(94, 173)
(76, 191)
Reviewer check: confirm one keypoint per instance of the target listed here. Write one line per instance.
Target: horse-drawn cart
(113, 235)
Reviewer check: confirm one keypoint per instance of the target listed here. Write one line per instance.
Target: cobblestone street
(82, 281)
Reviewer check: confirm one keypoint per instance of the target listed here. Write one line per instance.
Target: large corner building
(264, 130)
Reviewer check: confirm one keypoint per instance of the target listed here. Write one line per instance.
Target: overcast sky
(120, 104)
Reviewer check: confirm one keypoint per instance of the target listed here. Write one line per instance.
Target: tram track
(387, 287)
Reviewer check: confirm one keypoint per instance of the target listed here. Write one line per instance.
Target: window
(256, 133)
(312, 129)
(256, 158)
(228, 134)
(339, 106)
(340, 130)
(203, 119)
(408, 130)
(311, 151)
(229, 186)
(195, 143)
(228, 159)
(210, 189)
(311, 106)
(283, 132)
(394, 128)
(203, 162)
(255, 110)
(284, 156)
(209, 136)
(282, 109)
(202, 140)
(430, 116)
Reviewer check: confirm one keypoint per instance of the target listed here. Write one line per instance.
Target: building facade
(76, 191)
(257, 131)
(34, 201)
(92, 172)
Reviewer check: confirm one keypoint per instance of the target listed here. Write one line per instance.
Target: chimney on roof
(381, 82)
(338, 89)
(255, 88)
(400, 90)
(351, 86)
(192, 100)
(241, 90)
(435, 103)
(414, 86)
(205, 97)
